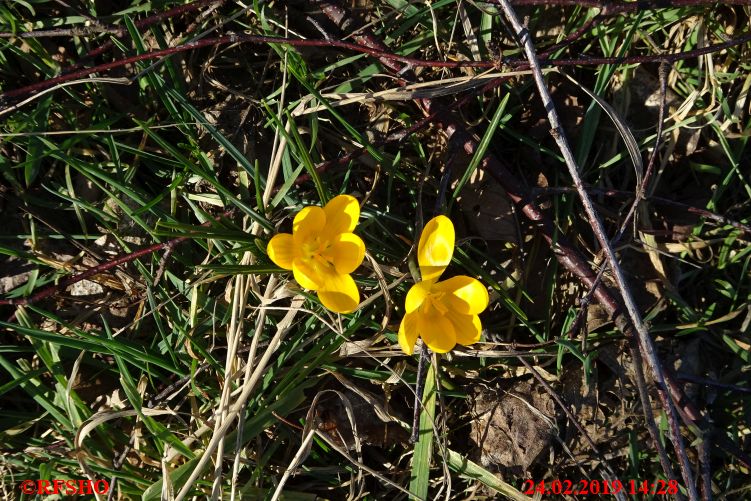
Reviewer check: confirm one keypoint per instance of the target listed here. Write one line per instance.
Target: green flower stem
(419, 389)
(423, 452)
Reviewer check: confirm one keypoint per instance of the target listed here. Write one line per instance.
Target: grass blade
(420, 478)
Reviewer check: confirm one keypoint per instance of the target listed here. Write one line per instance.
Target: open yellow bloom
(322, 251)
(441, 313)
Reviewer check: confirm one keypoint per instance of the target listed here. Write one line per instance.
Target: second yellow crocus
(441, 313)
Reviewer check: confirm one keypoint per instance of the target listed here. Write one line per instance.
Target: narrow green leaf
(469, 469)
(420, 478)
(481, 148)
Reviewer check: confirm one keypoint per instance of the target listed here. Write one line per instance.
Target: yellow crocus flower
(322, 251)
(441, 313)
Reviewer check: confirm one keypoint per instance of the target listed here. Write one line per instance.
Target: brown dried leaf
(512, 427)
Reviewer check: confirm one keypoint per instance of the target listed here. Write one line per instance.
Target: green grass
(212, 346)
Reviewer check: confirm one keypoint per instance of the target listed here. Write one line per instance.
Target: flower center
(314, 250)
(434, 300)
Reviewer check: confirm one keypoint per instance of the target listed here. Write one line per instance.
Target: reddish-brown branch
(232, 39)
(573, 37)
(168, 246)
(75, 31)
(388, 59)
(607, 8)
(67, 282)
(144, 23)
(566, 254)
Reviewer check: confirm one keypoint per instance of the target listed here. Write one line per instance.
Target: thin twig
(641, 189)
(705, 469)
(716, 384)
(169, 249)
(654, 432)
(651, 58)
(609, 192)
(640, 193)
(645, 341)
(77, 31)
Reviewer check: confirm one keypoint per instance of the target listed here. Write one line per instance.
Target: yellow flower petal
(467, 327)
(436, 247)
(342, 214)
(408, 333)
(437, 332)
(308, 223)
(307, 276)
(346, 252)
(339, 293)
(281, 250)
(465, 295)
(416, 295)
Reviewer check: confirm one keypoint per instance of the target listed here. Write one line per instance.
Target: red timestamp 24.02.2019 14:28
(595, 487)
